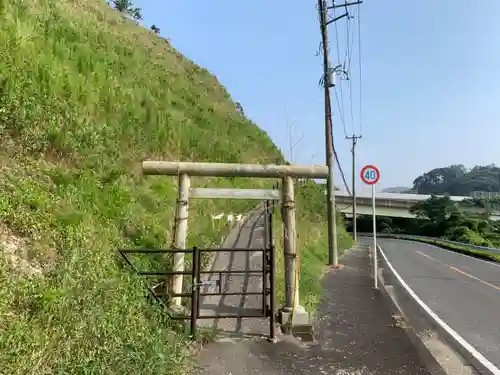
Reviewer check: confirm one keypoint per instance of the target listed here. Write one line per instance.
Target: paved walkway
(356, 333)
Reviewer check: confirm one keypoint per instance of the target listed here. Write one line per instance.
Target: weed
(85, 95)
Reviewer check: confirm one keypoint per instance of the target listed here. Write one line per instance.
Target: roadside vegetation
(467, 221)
(312, 252)
(481, 254)
(457, 180)
(85, 95)
(443, 218)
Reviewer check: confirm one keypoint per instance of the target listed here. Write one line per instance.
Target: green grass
(84, 97)
(312, 244)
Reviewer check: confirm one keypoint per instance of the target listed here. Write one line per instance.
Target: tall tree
(435, 213)
(439, 180)
(127, 7)
(457, 180)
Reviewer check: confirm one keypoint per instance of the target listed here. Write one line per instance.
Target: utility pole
(354, 139)
(328, 82)
(330, 194)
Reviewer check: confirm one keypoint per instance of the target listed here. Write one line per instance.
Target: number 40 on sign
(370, 175)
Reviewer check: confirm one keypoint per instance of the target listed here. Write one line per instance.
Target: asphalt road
(463, 291)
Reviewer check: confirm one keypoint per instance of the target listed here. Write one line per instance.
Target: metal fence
(266, 272)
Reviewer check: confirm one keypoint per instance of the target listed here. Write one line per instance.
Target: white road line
(468, 347)
(451, 251)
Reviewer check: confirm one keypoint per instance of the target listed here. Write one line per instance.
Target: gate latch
(207, 283)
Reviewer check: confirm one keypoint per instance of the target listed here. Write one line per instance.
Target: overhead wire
(360, 71)
(350, 37)
(341, 105)
(341, 112)
(344, 180)
(349, 41)
(346, 66)
(342, 173)
(347, 61)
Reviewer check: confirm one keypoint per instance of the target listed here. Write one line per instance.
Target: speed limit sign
(370, 174)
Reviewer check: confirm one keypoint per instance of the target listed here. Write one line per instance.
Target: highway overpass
(462, 291)
(392, 204)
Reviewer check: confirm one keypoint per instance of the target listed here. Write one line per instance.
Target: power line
(341, 106)
(342, 173)
(349, 41)
(331, 155)
(350, 34)
(360, 70)
(342, 119)
(347, 63)
(354, 139)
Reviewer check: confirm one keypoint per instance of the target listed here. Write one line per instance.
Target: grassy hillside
(84, 97)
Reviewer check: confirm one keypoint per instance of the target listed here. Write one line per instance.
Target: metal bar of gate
(198, 286)
(217, 294)
(187, 251)
(188, 273)
(195, 307)
(268, 270)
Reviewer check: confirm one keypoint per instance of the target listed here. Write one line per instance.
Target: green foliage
(437, 209)
(442, 218)
(313, 243)
(127, 7)
(434, 215)
(457, 180)
(85, 95)
(490, 204)
(439, 216)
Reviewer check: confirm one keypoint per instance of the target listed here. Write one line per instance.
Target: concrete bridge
(394, 205)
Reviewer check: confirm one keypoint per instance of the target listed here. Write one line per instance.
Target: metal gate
(267, 272)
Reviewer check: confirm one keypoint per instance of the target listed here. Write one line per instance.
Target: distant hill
(458, 180)
(396, 189)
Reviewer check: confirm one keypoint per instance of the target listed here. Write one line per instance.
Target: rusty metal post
(195, 292)
(181, 225)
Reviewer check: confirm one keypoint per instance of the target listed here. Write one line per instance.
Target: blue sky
(430, 91)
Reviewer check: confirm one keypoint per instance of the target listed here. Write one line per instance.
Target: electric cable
(360, 71)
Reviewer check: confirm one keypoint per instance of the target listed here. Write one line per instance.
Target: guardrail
(416, 237)
(422, 319)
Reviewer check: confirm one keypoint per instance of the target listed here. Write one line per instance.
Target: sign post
(370, 175)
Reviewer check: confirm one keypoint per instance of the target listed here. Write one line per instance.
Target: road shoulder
(356, 334)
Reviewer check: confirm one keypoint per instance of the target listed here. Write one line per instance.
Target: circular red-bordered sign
(370, 174)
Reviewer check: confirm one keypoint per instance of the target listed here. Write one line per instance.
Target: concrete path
(249, 236)
(356, 334)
